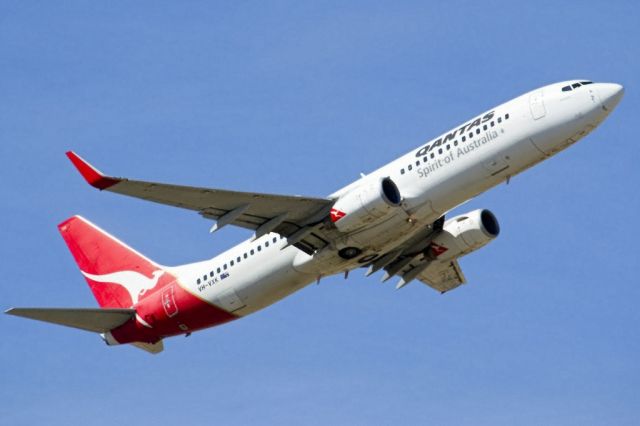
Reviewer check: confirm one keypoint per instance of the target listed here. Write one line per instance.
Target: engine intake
(366, 204)
(464, 233)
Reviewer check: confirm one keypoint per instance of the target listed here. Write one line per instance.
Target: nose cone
(610, 95)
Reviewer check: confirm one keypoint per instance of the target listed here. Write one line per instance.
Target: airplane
(393, 220)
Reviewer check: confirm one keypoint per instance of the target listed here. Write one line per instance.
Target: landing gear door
(536, 105)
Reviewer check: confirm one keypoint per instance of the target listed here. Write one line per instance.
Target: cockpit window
(575, 86)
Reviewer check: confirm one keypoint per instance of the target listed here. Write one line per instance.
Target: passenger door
(536, 105)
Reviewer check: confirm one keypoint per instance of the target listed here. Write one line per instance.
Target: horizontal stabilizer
(90, 319)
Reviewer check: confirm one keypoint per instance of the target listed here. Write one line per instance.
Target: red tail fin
(117, 274)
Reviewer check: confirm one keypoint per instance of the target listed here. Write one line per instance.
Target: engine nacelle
(463, 234)
(365, 204)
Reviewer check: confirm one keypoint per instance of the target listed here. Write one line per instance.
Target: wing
(412, 260)
(264, 213)
(443, 276)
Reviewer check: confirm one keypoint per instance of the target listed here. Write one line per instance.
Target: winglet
(92, 175)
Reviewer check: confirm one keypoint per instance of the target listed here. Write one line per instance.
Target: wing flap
(442, 276)
(89, 319)
(410, 262)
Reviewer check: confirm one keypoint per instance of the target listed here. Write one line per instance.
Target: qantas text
(452, 135)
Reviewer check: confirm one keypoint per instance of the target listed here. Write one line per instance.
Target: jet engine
(463, 234)
(365, 204)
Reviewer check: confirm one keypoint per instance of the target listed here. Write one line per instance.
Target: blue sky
(298, 98)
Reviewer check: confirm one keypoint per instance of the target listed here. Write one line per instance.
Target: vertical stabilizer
(117, 274)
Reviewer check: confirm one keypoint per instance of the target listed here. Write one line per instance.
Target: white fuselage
(432, 179)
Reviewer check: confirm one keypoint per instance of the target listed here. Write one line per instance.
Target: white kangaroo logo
(134, 282)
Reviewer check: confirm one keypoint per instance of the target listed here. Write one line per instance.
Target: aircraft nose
(610, 95)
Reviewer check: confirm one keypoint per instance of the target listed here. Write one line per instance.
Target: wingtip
(92, 175)
(64, 225)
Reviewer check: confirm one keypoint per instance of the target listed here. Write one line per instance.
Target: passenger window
(448, 147)
(484, 127)
(238, 259)
(506, 116)
(224, 266)
(424, 159)
(252, 252)
(409, 167)
(477, 131)
(499, 120)
(218, 270)
(432, 155)
(266, 243)
(245, 255)
(259, 248)
(231, 263)
(492, 123)
(455, 143)
(275, 239)
(439, 150)
(198, 281)
(464, 138)
(470, 135)
(401, 171)
(417, 162)
(211, 274)
(204, 278)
